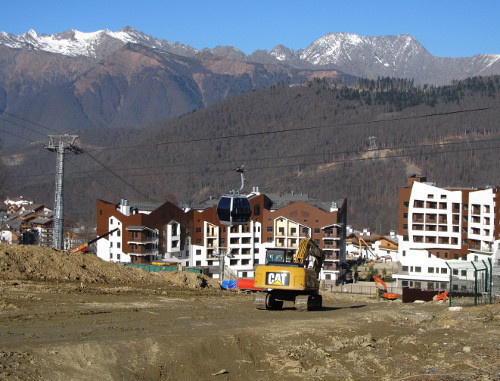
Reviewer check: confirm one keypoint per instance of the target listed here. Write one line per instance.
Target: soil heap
(21, 262)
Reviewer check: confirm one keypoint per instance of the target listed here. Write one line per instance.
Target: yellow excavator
(290, 277)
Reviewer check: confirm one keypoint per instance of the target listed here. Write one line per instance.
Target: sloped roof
(145, 205)
(282, 200)
(40, 220)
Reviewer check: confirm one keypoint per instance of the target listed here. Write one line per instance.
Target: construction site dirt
(125, 329)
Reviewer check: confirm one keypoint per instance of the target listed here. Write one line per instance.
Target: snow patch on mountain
(93, 44)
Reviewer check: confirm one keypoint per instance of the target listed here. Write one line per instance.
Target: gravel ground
(54, 328)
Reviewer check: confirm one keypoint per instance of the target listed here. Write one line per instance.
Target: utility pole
(59, 144)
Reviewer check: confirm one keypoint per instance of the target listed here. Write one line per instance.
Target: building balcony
(332, 257)
(142, 241)
(142, 251)
(330, 266)
(331, 246)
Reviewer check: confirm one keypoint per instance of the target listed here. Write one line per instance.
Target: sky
(458, 28)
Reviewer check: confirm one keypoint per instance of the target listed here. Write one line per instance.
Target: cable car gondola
(233, 208)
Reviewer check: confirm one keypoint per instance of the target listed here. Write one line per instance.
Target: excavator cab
(279, 257)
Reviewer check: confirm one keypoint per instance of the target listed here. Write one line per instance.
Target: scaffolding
(472, 283)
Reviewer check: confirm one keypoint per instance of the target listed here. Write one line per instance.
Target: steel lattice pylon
(59, 144)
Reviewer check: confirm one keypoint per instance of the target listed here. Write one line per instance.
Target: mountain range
(399, 56)
(74, 80)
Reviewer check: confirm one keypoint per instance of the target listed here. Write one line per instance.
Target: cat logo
(277, 279)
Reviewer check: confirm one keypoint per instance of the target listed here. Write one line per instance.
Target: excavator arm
(307, 249)
(86, 244)
(382, 289)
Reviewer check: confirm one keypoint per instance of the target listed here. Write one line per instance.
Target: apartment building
(438, 225)
(195, 237)
(143, 232)
(277, 221)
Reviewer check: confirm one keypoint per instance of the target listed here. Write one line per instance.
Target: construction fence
(365, 288)
(155, 268)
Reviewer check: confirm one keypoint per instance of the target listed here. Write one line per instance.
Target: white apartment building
(440, 225)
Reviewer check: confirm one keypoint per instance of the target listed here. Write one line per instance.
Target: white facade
(243, 251)
(438, 220)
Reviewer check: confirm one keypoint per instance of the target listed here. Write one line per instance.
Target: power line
(17, 136)
(274, 166)
(29, 121)
(118, 176)
(251, 134)
(196, 140)
(20, 125)
(287, 157)
(95, 179)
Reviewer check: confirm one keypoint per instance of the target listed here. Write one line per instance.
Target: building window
(430, 270)
(198, 252)
(233, 262)
(405, 268)
(316, 230)
(198, 230)
(198, 263)
(404, 253)
(244, 274)
(245, 261)
(198, 241)
(418, 269)
(256, 209)
(118, 256)
(118, 245)
(463, 273)
(111, 221)
(444, 270)
(270, 229)
(111, 244)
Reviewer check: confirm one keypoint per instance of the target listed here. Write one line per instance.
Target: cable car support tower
(59, 144)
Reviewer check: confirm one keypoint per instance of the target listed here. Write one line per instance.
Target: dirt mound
(187, 279)
(42, 263)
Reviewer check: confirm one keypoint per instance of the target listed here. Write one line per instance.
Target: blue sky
(458, 28)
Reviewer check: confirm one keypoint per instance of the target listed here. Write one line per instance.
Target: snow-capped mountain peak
(74, 43)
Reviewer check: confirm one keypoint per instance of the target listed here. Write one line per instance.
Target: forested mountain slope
(311, 138)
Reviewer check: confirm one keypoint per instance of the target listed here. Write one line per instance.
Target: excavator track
(308, 302)
(267, 301)
(260, 301)
(302, 302)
